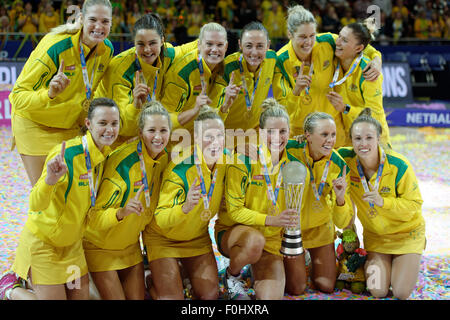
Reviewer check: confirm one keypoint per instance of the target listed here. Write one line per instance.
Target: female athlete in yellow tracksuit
(355, 93)
(252, 72)
(388, 201)
(50, 251)
(326, 203)
(195, 79)
(191, 193)
(137, 74)
(48, 100)
(306, 65)
(125, 205)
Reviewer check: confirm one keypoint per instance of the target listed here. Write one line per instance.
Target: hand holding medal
(336, 100)
(58, 83)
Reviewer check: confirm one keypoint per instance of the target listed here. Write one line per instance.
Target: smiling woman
(138, 74)
(196, 79)
(52, 93)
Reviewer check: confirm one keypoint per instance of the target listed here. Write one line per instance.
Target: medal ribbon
(206, 198)
(84, 71)
(92, 189)
(143, 174)
(336, 72)
(202, 72)
(378, 178)
(317, 193)
(248, 99)
(142, 79)
(272, 195)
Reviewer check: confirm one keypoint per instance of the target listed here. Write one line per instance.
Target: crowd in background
(422, 19)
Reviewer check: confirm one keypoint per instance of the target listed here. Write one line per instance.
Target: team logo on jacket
(385, 190)
(101, 67)
(267, 81)
(353, 87)
(326, 64)
(84, 176)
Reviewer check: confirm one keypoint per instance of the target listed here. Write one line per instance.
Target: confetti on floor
(426, 148)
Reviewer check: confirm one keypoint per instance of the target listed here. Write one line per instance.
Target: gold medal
(273, 210)
(317, 206)
(86, 104)
(372, 213)
(206, 215)
(306, 99)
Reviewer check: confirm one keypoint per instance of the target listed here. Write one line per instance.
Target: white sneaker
(234, 287)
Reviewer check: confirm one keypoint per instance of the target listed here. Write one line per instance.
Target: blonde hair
(272, 109)
(207, 113)
(312, 120)
(212, 26)
(150, 108)
(298, 15)
(72, 28)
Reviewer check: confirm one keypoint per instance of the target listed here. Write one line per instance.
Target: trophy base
(292, 245)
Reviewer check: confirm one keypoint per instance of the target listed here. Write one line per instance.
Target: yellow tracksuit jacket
(29, 97)
(182, 86)
(57, 214)
(300, 106)
(121, 181)
(235, 118)
(246, 197)
(119, 81)
(359, 94)
(395, 227)
(178, 178)
(341, 215)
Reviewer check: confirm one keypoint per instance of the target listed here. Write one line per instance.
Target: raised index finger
(344, 174)
(61, 66)
(63, 149)
(232, 78)
(136, 78)
(138, 194)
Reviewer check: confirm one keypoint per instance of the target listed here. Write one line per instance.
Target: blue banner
(407, 117)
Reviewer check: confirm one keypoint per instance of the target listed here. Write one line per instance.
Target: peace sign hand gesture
(373, 196)
(134, 205)
(56, 167)
(140, 91)
(58, 83)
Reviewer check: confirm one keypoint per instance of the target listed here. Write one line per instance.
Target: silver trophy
(294, 175)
